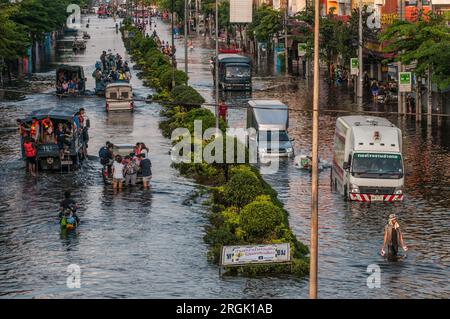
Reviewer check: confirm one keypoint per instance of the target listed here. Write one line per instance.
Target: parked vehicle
(122, 150)
(367, 159)
(48, 153)
(235, 71)
(119, 97)
(270, 119)
(65, 73)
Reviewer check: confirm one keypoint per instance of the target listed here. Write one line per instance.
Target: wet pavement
(149, 243)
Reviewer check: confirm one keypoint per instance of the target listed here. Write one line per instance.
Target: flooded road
(351, 234)
(148, 244)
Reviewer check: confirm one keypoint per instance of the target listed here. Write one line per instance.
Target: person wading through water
(393, 237)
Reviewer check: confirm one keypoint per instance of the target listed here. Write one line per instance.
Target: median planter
(244, 210)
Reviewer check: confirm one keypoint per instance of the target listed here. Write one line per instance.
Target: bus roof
(232, 57)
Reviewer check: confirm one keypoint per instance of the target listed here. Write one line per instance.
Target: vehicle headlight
(354, 188)
(289, 150)
(398, 191)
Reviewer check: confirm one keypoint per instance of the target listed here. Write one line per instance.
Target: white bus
(367, 159)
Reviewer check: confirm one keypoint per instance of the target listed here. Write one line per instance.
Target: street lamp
(185, 37)
(173, 47)
(360, 58)
(216, 66)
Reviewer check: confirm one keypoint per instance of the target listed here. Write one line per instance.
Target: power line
(233, 106)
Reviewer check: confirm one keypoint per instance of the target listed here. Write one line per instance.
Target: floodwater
(148, 244)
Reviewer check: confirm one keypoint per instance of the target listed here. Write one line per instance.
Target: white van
(270, 119)
(367, 159)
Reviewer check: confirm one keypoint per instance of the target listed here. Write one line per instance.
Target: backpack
(103, 152)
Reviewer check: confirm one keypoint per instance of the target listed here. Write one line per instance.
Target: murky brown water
(149, 243)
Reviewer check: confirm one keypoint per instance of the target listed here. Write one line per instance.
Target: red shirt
(223, 109)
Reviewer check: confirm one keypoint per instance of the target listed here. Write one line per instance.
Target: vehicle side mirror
(292, 139)
(346, 166)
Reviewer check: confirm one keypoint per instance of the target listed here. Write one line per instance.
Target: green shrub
(185, 94)
(242, 188)
(166, 78)
(260, 219)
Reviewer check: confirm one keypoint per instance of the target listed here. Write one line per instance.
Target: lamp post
(185, 37)
(216, 66)
(314, 174)
(360, 77)
(286, 56)
(173, 47)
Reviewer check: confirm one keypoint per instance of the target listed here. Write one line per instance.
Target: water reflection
(144, 243)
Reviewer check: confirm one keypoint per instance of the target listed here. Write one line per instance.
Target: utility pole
(196, 17)
(430, 91)
(216, 65)
(314, 176)
(286, 51)
(185, 37)
(360, 58)
(400, 67)
(173, 47)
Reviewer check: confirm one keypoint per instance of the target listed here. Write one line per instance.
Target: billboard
(241, 11)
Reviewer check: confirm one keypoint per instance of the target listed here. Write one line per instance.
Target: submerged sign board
(257, 254)
(241, 11)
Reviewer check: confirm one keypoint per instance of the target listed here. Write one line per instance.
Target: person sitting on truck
(59, 138)
(72, 86)
(47, 127)
(35, 129)
(392, 237)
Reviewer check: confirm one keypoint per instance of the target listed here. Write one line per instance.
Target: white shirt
(118, 170)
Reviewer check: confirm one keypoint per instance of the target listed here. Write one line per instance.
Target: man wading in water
(393, 237)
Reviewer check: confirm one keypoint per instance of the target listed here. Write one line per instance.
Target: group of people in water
(126, 169)
(47, 131)
(111, 68)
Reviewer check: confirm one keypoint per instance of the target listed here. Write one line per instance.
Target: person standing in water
(393, 237)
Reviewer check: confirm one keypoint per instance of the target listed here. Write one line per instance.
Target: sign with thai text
(241, 255)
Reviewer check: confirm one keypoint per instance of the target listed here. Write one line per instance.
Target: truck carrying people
(270, 119)
(54, 139)
(367, 159)
(70, 80)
